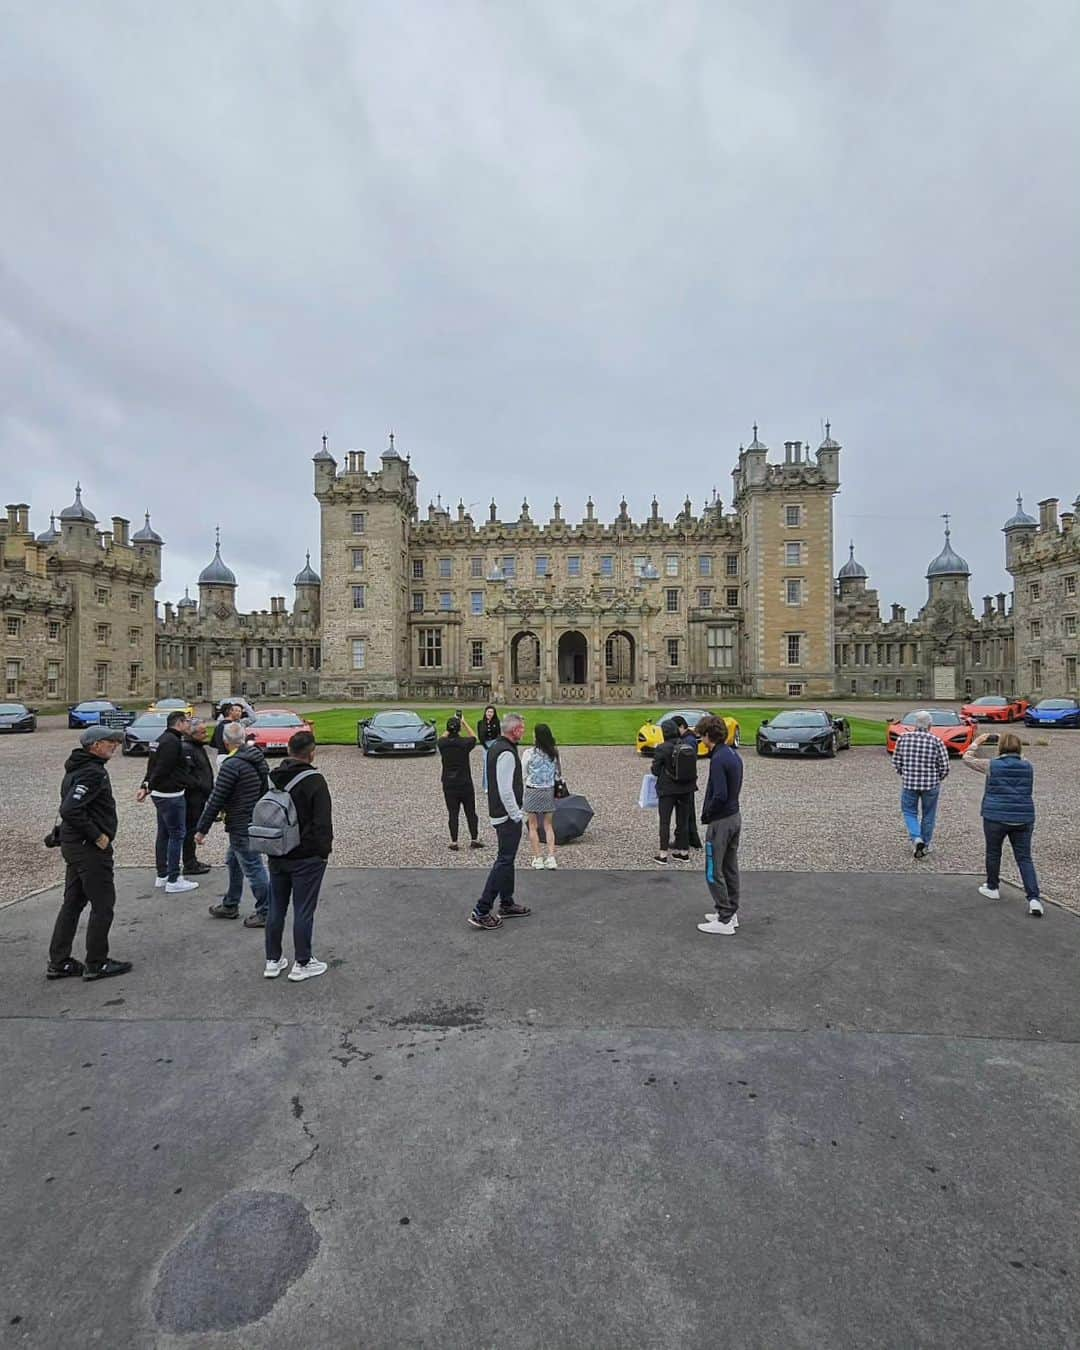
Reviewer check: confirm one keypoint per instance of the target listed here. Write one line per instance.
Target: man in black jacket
(672, 794)
(241, 781)
(166, 783)
(721, 816)
(298, 874)
(200, 775)
(457, 783)
(87, 830)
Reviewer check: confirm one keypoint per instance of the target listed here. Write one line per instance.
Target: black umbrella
(572, 816)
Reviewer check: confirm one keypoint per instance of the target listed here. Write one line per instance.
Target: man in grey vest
(505, 793)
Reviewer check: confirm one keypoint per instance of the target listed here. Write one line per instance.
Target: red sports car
(271, 730)
(957, 732)
(996, 708)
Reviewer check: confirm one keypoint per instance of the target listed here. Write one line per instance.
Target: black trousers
(500, 882)
(681, 807)
(298, 880)
(456, 798)
(194, 803)
(89, 881)
(692, 833)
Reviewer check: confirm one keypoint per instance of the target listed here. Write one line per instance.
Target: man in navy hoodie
(720, 815)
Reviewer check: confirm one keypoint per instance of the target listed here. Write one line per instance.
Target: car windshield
(171, 703)
(799, 719)
(939, 717)
(95, 707)
(149, 722)
(1056, 704)
(6, 708)
(992, 701)
(691, 716)
(278, 720)
(390, 720)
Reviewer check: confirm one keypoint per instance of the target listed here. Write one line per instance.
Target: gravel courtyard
(834, 815)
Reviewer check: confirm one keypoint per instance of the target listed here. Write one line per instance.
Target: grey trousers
(722, 864)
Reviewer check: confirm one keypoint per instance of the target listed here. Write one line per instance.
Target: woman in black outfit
(487, 731)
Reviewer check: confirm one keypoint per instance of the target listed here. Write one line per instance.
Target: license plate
(787, 745)
(404, 745)
(276, 745)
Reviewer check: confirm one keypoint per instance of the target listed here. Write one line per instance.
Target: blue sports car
(1054, 712)
(98, 712)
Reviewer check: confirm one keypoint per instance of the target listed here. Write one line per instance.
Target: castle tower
(852, 578)
(786, 517)
(308, 584)
(217, 584)
(365, 519)
(1017, 529)
(148, 543)
(948, 577)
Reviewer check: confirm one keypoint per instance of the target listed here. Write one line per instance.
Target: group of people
(189, 799)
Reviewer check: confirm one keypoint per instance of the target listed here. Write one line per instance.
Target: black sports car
(802, 731)
(396, 733)
(141, 737)
(17, 717)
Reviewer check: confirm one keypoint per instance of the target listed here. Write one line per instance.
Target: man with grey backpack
(293, 825)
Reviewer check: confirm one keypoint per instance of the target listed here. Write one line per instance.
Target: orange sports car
(956, 731)
(272, 727)
(996, 708)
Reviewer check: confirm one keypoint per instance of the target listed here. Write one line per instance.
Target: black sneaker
(919, 850)
(255, 921)
(103, 969)
(454, 847)
(196, 869)
(512, 911)
(62, 970)
(225, 911)
(476, 843)
(484, 921)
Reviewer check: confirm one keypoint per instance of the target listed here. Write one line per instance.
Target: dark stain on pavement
(208, 1281)
(443, 1015)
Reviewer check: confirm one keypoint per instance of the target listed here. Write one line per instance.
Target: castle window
(446, 600)
(794, 592)
(1035, 590)
(358, 559)
(430, 652)
(671, 600)
(976, 653)
(607, 565)
(509, 567)
(134, 672)
(134, 600)
(969, 688)
(720, 647)
(543, 565)
(54, 630)
(12, 671)
(877, 687)
(446, 568)
(359, 522)
(104, 632)
(476, 568)
(671, 565)
(795, 690)
(476, 654)
(794, 649)
(731, 564)
(103, 596)
(792, 515)
(573, 565)
(1036, 674)
(418, 602)
(418, 569)
(101, 676)
(733, 597)
(1070, 585)
(1036, 628)
(52, 679)
(14, 626)
(854, 686)
(359, 597)
(359, 653)
(673, 651)
(1070, 625)
(1070, 672)
(704, 564)
(476, 602)
(792, 555)
(899, 686)
(704, 597)
(640, 564)
(134, 637)
(918, 688)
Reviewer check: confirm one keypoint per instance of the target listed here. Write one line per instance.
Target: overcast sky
(560, 248)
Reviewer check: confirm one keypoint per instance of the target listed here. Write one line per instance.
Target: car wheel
(759, 750)
(834, 745)
(737, 741)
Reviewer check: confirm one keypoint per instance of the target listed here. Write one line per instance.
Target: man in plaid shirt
(922, 762)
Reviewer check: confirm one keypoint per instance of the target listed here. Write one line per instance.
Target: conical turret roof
(215, 573)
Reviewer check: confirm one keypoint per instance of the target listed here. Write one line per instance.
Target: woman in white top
(541, 770)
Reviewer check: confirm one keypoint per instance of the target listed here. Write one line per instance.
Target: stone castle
(709, 607)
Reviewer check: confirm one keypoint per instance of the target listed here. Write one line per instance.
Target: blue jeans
(171, 828)
(244, 862)
(1019, 836)
(500, 882)
(910, 801)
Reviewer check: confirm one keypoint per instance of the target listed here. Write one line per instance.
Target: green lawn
(575, 726)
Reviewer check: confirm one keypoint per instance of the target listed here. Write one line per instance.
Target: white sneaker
(171, 887)
(160, 881)
(550, 863)
(1035, 908)
(714, 917)
(309, 971)
(538, 864)
(715, 926)
(273, 969)
(990, 892)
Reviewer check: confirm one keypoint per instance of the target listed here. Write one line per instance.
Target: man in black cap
(457, 782)
(87, 828)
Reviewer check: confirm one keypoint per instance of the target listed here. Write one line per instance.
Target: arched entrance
(573, 658)
(525, 659)
(619, 654)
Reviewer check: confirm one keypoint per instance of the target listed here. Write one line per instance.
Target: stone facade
(1043, 558)
(77, 611)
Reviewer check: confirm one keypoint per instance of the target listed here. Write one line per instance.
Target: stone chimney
(354, 461)
(1001, 602)
(12, 518)
(988, 606)
(1048, 516)
(899, 614)
(168, 611)
(120, 531)
(1067, 519)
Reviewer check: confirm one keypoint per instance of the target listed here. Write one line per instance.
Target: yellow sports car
(650, 735)
(169, 705)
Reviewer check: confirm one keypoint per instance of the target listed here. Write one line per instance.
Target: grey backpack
(275, 826)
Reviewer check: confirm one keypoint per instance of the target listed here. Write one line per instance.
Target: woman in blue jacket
(1008, 812)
